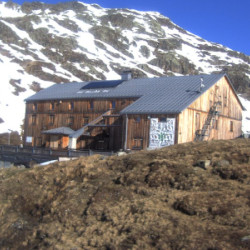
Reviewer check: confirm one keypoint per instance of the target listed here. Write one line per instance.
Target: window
(51, 119)
(137, 143)
(225, 97)
(71, 105)
(33, 119)
(112, 105)
(34, 107)
(85, 120)
(231, 126)
(91, 105)
(138, 119)
(162, 119)
(70, 120)
(52, 106)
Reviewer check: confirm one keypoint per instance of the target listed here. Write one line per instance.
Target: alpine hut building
(133, 113)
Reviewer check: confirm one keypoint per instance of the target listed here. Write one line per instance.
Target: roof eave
(151, 112)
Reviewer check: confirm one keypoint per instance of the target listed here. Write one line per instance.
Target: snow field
(12, 106)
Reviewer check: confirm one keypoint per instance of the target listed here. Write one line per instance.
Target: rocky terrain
(187, 196)
(42, 44)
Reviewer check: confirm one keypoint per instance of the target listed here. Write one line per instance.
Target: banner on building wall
(162, 134)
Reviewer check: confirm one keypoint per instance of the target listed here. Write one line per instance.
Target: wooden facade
(46, 115)
(117, 131)
(227, 124)
(138, 130)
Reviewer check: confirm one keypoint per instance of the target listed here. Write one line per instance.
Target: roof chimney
(126, 75)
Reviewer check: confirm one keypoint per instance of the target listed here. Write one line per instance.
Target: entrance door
(65, 141)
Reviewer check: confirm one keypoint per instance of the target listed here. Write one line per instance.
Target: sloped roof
(60, 130)
(163, 95)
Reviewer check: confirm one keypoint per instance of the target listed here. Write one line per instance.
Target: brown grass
(147, 200)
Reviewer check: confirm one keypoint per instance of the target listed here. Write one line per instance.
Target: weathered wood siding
(132, 131)
(138, 129)
(195, 115)
(46, 115)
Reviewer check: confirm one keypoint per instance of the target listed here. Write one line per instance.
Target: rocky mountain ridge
(42, 44)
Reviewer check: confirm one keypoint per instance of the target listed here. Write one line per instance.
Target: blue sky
(222, 21)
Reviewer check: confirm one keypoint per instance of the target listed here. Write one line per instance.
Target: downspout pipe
(126, 133)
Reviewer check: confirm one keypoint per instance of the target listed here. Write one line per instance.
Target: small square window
(162, 119)
(138, 119)
(137, 143)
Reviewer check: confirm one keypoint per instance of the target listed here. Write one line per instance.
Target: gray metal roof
(163, 95)
(60, 130)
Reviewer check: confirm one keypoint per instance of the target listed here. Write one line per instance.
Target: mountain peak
(42, 44)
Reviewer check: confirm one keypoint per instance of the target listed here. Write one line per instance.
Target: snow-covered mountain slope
(42, 44)
(245, 116)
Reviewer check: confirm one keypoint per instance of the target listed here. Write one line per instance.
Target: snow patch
(10, 12)
(245, 115)
(108, 55)
(48, 162)
(48, 70)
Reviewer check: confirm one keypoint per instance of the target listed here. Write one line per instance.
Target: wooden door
(65, 141)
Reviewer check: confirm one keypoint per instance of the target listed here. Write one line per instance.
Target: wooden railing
(82, 130)
(50, 151)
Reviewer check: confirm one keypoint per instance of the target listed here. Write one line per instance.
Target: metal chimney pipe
(126, 75)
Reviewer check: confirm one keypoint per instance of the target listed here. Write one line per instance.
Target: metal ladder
(214, 111)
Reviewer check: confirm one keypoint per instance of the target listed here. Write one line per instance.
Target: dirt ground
(188, 196)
